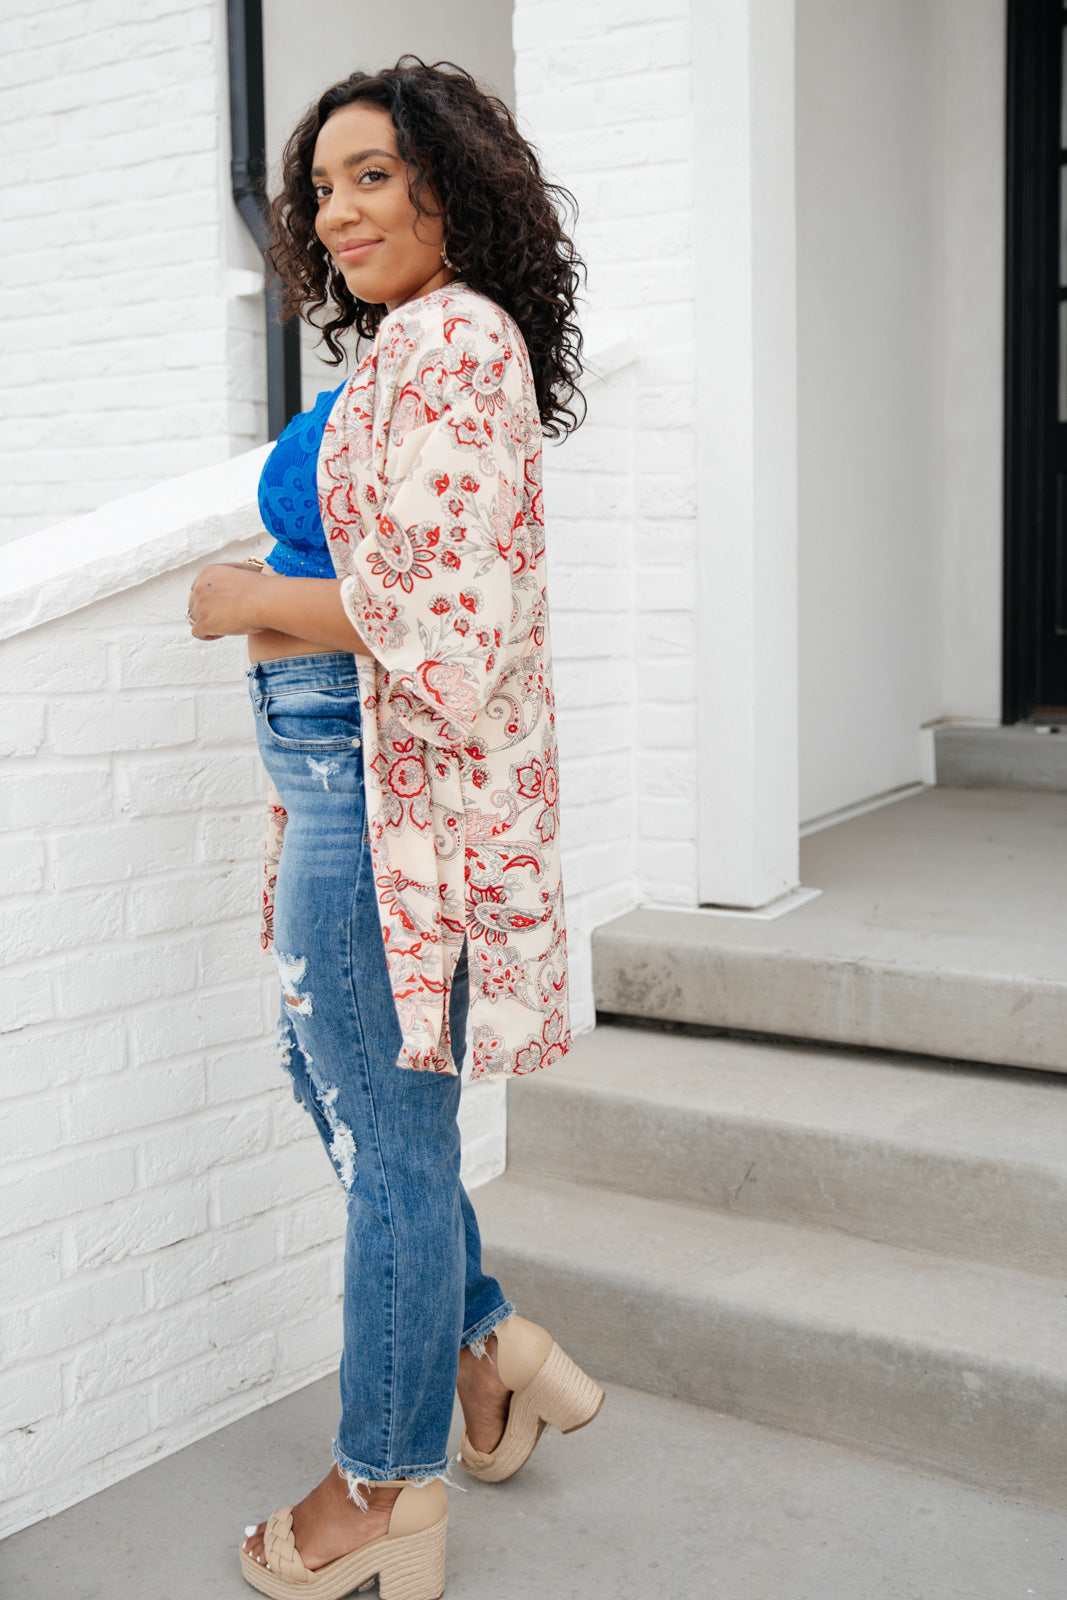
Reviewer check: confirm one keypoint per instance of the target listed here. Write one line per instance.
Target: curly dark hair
(502, 221)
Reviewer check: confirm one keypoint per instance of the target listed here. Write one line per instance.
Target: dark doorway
(1035, 527)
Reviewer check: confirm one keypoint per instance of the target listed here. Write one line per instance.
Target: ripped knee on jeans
(343, 1141)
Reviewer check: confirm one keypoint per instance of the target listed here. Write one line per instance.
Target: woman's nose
(341, 207)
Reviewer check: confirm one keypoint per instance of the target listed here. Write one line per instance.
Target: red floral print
(440, 545)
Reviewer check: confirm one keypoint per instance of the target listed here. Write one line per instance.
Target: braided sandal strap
(478, 1459)
(279, 1548)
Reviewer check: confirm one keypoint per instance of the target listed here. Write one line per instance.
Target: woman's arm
(447, 574)
(227, 599)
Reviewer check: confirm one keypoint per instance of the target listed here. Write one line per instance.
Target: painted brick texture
(120, 345)
(162, 1191)
(162, 1198)
(603, 91)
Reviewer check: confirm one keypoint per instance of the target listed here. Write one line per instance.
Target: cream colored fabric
(430, 492)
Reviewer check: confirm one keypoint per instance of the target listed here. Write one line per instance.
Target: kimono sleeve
(430, 586)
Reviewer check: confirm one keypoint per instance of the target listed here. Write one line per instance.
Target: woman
(401, 680)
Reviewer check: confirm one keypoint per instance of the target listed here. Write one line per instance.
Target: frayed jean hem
(474, 1338)
(361, 1478)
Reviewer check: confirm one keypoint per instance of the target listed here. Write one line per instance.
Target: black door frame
(1031, 355)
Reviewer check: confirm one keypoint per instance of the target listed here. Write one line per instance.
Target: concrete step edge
(953, 1368)
(950, 1162)
(1019, 757)
(669, 968)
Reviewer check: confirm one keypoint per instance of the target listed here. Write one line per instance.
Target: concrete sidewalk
(655, 1499)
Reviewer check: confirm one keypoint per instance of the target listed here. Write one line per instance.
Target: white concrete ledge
(60, 569)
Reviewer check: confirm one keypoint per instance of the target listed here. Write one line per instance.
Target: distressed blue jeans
(414, 1289)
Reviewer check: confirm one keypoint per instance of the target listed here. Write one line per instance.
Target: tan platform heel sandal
(408, 1561)
(545, 1385)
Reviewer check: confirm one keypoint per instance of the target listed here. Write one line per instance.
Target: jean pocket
(314, 719)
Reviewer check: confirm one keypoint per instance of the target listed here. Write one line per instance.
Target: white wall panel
(867, 193)
(900, 155)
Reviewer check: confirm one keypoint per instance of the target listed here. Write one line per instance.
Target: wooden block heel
(566, 1396)
(408, 1561)
(415, 1568)
(546, 1387)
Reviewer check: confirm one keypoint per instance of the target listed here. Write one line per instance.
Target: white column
(745, 247)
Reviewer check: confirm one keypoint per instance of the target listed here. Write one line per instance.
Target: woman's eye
(372, 172)
(320, 190)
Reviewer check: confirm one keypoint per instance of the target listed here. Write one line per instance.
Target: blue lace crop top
(289, 498)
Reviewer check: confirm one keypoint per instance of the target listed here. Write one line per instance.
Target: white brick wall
(162, 1186)
(124, 362)
(162, 1197)
(603, 90)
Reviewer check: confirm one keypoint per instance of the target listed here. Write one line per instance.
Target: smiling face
(386, 251)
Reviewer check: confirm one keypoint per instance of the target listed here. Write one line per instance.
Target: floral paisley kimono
(429, 481)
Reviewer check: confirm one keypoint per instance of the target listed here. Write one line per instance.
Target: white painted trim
(607, 350)
(244, 284)
(768, 913)
(746, 336)
(861, 808)
(937, 723)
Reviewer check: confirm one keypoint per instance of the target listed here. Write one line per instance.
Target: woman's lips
(355, 249)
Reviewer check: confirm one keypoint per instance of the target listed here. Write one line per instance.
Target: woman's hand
(227, 598)
(223, 600)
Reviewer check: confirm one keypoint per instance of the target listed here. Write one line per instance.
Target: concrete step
(948, 1366)
(966, 1162)
(1023, 756)
(939, 930)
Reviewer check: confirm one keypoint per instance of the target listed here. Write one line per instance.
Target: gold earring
(451, 265)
